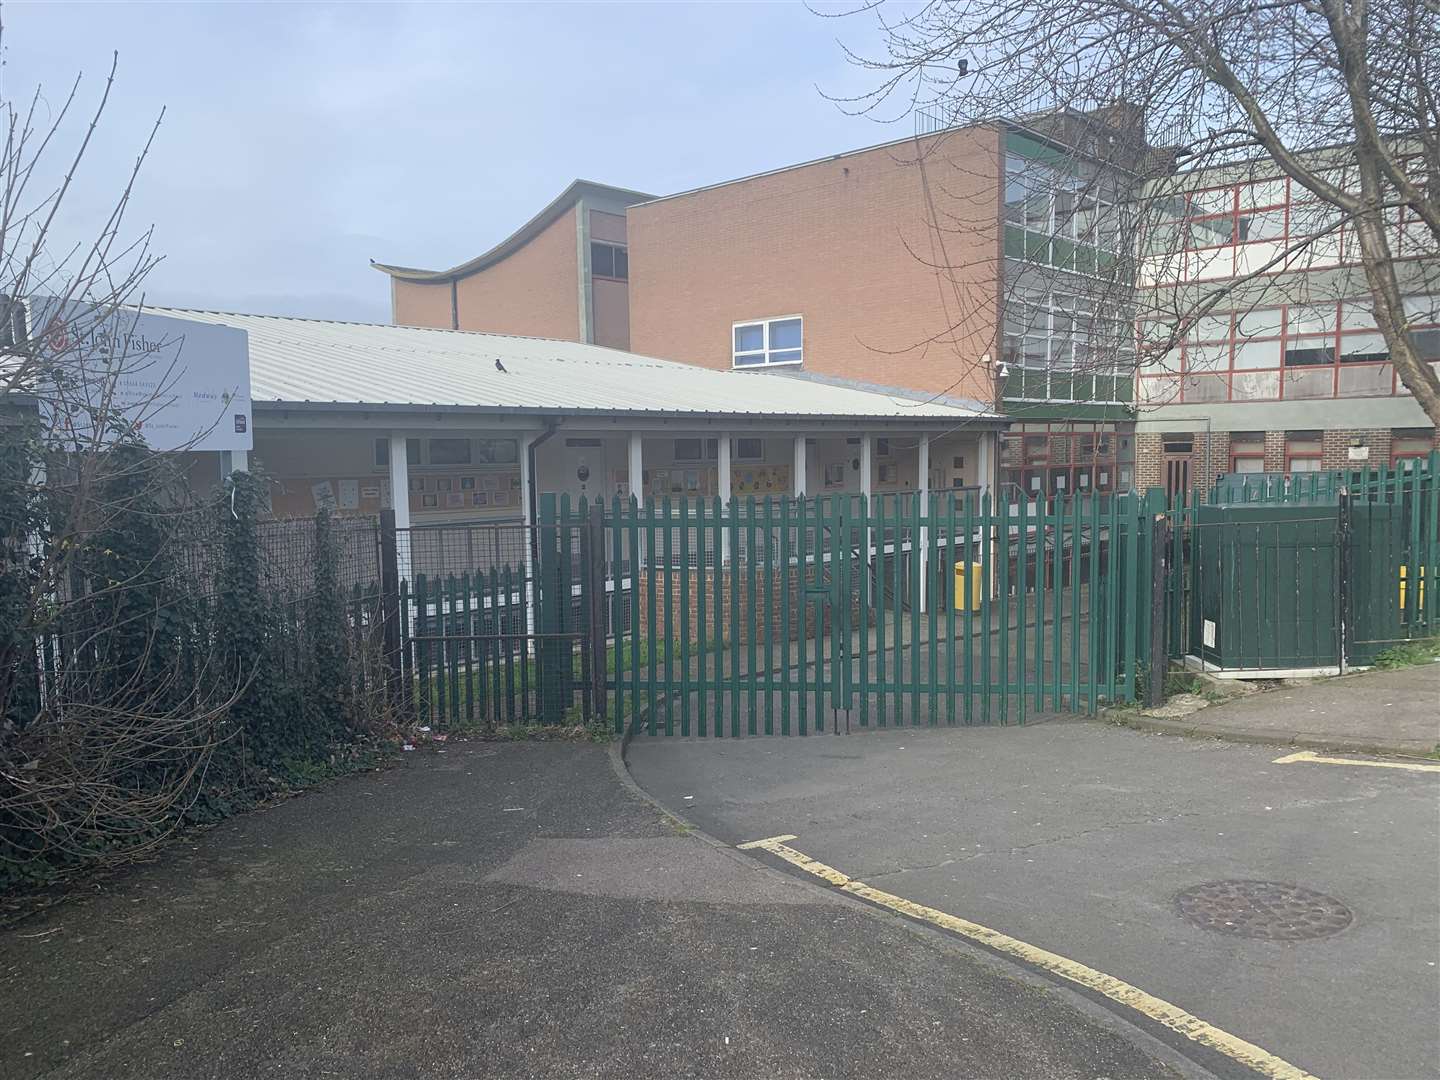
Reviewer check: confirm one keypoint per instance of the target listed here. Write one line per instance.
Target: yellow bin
(971, 573)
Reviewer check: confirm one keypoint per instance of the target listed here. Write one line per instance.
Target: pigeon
(500, 367)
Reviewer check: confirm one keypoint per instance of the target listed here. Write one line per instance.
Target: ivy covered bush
(164, 660)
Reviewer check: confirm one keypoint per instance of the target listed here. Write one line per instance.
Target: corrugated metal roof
(320, 362)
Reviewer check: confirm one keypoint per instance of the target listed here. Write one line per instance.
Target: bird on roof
(500, 367)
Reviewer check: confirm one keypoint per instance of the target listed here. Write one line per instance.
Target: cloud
(300, 141)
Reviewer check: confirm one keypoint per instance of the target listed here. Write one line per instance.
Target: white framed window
(768, 342)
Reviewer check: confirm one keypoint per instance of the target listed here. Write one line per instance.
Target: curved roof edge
(577, 190)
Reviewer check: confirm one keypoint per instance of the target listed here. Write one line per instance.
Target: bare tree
(1342, 100)
(111, 699)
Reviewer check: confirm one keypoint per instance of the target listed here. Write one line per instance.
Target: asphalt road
(1078, 837)
(511, 910)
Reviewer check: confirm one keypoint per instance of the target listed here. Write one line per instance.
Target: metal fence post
(595, 597)
(1159, 586)
(1343, 623)
(390, 610)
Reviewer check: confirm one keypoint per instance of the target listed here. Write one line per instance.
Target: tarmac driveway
(510, 910)
(1079, 838)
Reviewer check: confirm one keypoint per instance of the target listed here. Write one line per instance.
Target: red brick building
(841, 254)
(563, 274)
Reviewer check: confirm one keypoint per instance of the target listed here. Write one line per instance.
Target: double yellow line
(1117, 990)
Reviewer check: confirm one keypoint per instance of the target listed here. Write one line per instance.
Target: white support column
(400, 500)
(867, 469)
(400, 480)
(985, 461)
(723, 489)
(922, 467)
(233, 461)
(527, 481)
(797, 484)
(985, 468)
(635, 469)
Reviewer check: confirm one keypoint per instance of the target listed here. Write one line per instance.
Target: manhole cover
(1270, 910)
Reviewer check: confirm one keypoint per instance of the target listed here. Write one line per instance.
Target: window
(1309, 352)
(749, 449)
(1302, 451)
(1247, 452)
(764, 344)
(696, 449)
(382, 453)
(1409, 446)
(1363, 349)
(449, 452)
(609, 261)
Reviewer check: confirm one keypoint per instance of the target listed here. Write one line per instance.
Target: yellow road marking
(768, 840)
(1158, 1009)
(1319, 759)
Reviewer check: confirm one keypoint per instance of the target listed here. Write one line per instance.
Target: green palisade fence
(797, 616)
(1314, 571)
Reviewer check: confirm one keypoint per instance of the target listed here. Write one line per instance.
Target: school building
(978, 263)
(890, 268)
(454, 425)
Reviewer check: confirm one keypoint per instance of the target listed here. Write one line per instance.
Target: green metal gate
(832, 613)
(1311, 572)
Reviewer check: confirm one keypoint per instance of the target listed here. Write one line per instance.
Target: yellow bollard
(1419, 600)
(971, 573)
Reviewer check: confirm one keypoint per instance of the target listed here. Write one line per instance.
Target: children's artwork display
(760, 480)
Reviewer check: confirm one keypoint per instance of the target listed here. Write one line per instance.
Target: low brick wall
(770, 598)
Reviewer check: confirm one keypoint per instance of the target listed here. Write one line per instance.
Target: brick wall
(712, 580)
(417, 304)
(1149, 460)
(1335, 448)
(534, 291)
(1274, 451)
(1210, 458)
(843, 243)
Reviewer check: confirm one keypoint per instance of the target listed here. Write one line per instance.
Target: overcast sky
(302, 140)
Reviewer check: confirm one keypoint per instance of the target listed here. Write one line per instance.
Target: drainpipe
(531, 495)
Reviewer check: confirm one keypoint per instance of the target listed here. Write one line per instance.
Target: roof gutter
(272, 405)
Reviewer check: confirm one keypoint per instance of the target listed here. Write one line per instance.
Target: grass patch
(1408, 654)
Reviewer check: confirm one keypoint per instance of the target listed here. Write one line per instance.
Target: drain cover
(1270, 910)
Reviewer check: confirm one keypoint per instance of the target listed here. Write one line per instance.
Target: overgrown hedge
(157, 667)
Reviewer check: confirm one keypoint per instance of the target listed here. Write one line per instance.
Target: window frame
(617, 251)
(454, 441)
(740, 458)
(765, 350)
(1342, 325)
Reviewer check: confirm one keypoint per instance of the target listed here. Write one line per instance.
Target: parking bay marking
(1157, 1009)
(1307, 756)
